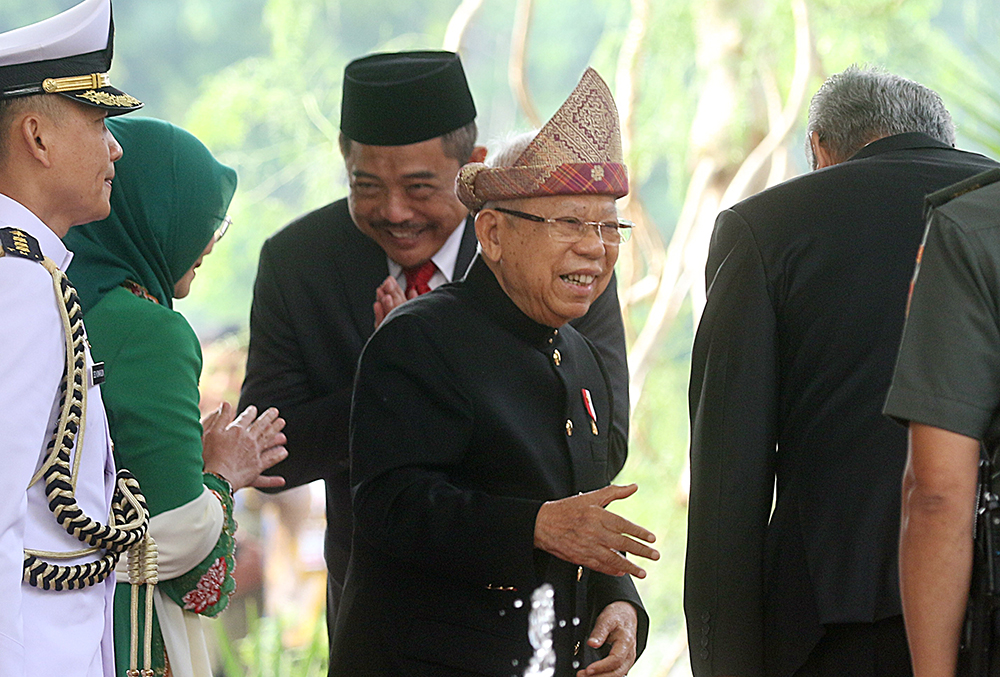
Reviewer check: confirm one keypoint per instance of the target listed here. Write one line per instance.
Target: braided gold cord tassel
(142, 570)
(133, 658)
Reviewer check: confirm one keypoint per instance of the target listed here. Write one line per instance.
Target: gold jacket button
(557, 357)
(569, 427)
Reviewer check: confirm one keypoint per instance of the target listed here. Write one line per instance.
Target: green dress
(169, 197)
(152, 361)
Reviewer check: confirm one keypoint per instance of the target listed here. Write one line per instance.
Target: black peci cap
(68, 54)
(399, 98)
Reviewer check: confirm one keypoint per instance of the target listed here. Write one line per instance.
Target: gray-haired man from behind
(793, 357)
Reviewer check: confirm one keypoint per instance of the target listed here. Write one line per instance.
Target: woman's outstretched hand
(241, 448)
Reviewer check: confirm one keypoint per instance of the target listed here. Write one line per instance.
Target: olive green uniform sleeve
(948, 370)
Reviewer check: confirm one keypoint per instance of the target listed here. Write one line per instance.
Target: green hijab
(168, 197)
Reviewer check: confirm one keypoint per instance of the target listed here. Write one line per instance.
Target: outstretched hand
(617, 625)
(389, 295)
(580, 530)
(241, 449)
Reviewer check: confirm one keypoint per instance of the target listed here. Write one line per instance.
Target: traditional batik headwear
(577, 152)
(68, 54)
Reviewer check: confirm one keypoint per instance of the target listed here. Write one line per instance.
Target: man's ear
(33, 129)
(478, 154)
(823, 156)
(488, 234)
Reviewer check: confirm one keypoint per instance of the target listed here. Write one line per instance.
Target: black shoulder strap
(15, 242)
(945, 195)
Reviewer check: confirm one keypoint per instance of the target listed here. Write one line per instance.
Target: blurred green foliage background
(259, 82)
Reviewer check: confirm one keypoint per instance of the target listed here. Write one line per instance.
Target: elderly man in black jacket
(480, 435)
(328, 278)
(792, 360)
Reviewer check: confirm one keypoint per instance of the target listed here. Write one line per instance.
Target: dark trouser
(860, 650)
(339, 524)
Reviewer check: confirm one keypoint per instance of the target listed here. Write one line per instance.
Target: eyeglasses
(570, 230)
(223, 227)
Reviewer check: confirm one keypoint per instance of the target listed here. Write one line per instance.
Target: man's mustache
(405, 225)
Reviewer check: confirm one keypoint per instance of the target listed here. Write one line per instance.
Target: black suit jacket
(468, 416)
(807, 288)
(311, 316)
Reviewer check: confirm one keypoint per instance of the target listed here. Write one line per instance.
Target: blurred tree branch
(717, 179)
(781, 125)
(517, 66)
(648, 243)
(459, 22)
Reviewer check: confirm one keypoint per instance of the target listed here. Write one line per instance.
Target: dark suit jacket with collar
(468, 415)
(311, 316)
(807, 288)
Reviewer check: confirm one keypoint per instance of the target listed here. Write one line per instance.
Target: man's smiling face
(403, 197)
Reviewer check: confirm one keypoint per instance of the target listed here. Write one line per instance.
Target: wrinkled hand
(617, 625)
(578, 529)
(389, 295)
(241, 449)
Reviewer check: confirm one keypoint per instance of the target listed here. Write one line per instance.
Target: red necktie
(417, 278)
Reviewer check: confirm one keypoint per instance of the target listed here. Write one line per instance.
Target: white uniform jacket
(44, 632)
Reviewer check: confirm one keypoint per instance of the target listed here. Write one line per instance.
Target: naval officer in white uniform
(56, 168)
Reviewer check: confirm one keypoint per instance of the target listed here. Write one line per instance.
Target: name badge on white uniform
(96, 374)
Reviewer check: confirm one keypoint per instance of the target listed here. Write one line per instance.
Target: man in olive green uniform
(947, 386)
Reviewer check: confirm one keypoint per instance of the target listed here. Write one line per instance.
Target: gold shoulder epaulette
(945, 195)
(16, 242)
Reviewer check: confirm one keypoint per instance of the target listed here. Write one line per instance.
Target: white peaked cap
(68, 54)
(79, 30)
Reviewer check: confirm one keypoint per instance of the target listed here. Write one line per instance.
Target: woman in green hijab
(168, 208)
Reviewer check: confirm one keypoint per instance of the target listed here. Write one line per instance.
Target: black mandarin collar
(905, 141)
(490, 298)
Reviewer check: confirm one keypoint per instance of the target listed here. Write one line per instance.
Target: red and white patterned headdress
(577, 152)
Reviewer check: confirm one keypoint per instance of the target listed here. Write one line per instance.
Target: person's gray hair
(510, 148)
(860, 105)
(11, 108)
(458, 143)
(506, 152)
